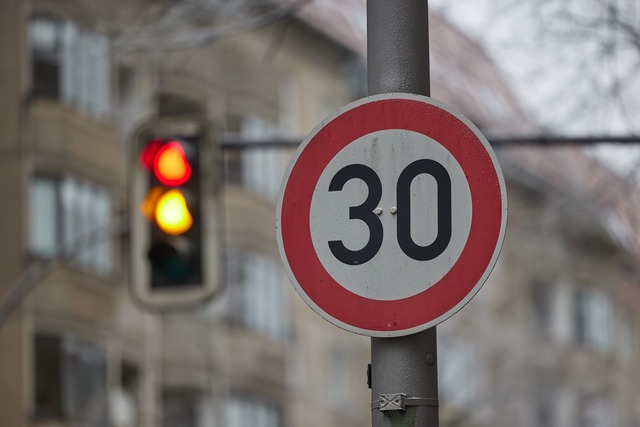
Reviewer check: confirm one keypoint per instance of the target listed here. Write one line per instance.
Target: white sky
(545, 74)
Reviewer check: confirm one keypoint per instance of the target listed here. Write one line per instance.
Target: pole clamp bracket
(400, 401)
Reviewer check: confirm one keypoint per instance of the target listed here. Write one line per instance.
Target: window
(356, 77)
(298, 370)
(125, 402)
(628, 338)
(337, 377)
(47, 37)
(593, 319)
(594, 411)
(550, 310)
(259, 169)
(542, 308)
(71, 216)
(547, 400)
(288, 106)
(182, 408)
(45, 216)
(48, 377)
(258, 299)
(457, 372)
(70, 64)
(70, 378)
(252, 413)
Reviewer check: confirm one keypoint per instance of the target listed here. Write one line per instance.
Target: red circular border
(487, 216)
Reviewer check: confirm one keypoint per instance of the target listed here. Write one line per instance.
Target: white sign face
(388, 153)
(391, 215)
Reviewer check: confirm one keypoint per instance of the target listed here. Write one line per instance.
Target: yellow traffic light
(172, 214)
(148, 205)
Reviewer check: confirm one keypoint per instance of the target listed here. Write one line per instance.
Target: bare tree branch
(195, 23)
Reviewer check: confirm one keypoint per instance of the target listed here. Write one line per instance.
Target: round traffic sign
(391, 215)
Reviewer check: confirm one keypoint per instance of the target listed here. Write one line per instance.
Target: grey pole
(398, 61)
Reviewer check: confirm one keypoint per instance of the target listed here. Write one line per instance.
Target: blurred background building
(551, 340)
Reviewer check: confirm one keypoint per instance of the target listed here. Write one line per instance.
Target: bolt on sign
(391, 215)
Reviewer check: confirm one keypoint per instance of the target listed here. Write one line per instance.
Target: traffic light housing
(174, 226)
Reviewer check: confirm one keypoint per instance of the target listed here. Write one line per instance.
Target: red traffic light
(171, 165)
(149, 152)
(168, 162)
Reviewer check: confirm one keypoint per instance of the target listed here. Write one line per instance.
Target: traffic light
(173, 213)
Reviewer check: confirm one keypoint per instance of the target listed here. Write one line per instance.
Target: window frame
(542, 307)
(69, 410)
(54, 58)
(99, 258)
(256, 406)
(56, 181)
(273, 320)
(593, 307)
(627, 335)
(257, 169)
(83, 65)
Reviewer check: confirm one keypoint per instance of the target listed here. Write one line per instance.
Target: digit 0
(403, 189)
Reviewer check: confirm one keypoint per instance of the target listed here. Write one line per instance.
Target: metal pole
(398, 61)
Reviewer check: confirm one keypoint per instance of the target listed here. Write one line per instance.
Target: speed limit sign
(391, 215)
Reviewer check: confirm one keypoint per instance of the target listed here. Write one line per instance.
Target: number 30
(365, 211)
